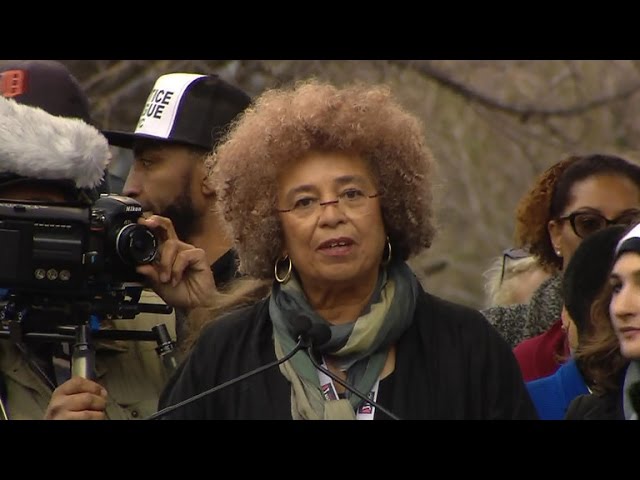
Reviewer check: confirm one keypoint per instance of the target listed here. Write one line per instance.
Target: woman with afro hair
(327, 193)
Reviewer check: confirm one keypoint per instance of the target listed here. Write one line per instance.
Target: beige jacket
(131, 372)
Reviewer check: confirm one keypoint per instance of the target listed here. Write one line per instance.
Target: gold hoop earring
(287, 276)
(386, 261)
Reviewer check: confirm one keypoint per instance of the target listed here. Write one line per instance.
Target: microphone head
(311, 334)
(300, 325)
(319, 334)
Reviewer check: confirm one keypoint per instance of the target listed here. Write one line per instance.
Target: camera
(73, 251)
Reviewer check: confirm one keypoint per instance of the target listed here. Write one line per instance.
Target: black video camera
(67, 251)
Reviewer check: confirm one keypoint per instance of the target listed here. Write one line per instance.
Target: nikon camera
(73, 251)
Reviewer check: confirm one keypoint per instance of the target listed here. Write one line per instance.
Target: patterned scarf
(361, 347)
(631, 377)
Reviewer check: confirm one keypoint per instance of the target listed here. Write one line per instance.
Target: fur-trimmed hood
(38, 145)
(519, 322)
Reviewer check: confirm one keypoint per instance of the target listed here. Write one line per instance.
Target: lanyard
(366, 411)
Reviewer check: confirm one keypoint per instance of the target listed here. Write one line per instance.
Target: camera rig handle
(83, 358)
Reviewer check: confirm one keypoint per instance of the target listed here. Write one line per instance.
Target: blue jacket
(553, 394)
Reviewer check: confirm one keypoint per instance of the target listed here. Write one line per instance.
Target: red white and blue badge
(366, 411)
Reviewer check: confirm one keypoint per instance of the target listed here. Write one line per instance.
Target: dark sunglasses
(512, 254)
(586, 223)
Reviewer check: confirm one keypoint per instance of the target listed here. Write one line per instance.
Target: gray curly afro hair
(284, 125)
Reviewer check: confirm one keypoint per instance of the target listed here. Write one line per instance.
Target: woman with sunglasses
(569, 201)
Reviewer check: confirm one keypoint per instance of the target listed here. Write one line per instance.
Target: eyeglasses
(351, 202)
(512, 254)
(586, 223)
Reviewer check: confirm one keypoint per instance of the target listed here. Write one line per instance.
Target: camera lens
(136, 244)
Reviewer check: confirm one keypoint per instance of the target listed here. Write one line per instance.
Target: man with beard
(182, 120)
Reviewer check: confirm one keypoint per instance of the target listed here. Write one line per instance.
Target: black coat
(450, 364)
(596, 407)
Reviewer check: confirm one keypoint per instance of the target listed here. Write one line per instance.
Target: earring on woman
(287, 275)
(387, 260)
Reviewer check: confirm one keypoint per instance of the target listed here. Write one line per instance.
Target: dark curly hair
(283, 126)
(552, 192)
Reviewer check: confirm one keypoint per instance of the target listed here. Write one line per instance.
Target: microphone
(301, 325)
(165, 348)
(320, 334)
(35, 144)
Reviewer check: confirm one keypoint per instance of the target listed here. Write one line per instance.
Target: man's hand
(77, 399)
(180, 274)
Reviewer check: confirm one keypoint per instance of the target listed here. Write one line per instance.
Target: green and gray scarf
(631, 377)
(361, 347)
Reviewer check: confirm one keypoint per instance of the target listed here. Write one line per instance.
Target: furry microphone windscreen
(38, 145)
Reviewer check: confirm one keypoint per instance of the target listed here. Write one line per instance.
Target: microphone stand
(228, 383)
(359, 394)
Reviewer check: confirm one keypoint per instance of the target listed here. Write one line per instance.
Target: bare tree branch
(487, 155)
(526, 112)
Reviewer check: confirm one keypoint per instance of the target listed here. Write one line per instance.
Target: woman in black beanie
(583, 279)
(610, 352)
